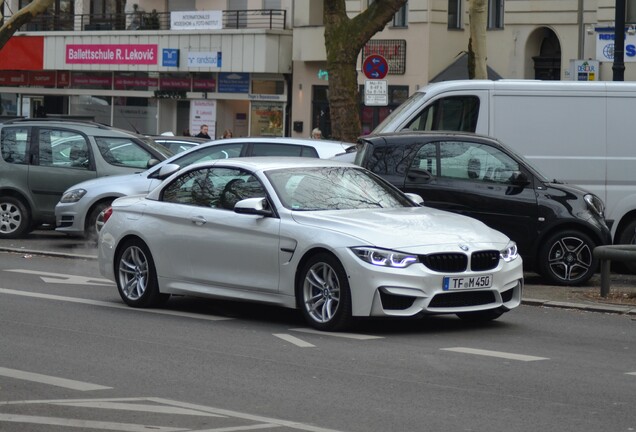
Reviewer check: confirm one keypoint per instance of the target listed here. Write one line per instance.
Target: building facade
(226, 64)
(258, 67)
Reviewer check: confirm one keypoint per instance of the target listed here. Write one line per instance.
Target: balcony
(151, 21)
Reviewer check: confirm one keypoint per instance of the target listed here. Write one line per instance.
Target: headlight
(595, 204)
(73, 195)
(384, 257)
(510, 253)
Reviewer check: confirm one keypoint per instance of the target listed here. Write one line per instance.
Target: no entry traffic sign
(375, 67)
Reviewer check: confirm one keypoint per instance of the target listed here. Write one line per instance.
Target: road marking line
(161, 409)
(499, 354)
(50, 380)
(239, 428)
(630, 373)
(342, 335)
(294, 340)
(64, 278)
(112, 305)
(53, 421)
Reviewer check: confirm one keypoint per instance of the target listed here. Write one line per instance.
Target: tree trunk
(344, 38)
(477, 13)
(21, 17)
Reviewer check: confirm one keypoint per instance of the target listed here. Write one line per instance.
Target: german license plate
(467, 282)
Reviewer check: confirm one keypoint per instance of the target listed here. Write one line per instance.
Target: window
(399, 19)
(268, 149)
(454, 14)
(219, 188)
(476, 162)
(495, 14)
(452, 113)
(14, 145)
(63, 149)
(123, 152)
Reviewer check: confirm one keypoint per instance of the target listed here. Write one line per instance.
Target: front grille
(462, 299)
(396, 302)
(450, 262)
(484, 260)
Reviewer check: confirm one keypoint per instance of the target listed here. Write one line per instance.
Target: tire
(136, 276)
(93, 223)
(566, 258)
(628, 236)
(323, 293)
(481, 316)
(15, 220)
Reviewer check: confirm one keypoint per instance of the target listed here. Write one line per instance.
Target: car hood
(413, 229)
(135, 181)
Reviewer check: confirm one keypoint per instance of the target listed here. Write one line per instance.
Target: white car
(329, 238)
(78, 211)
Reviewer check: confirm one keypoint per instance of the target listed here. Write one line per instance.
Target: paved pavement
(622, 298)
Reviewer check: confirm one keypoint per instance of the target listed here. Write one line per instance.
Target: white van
(582, 133)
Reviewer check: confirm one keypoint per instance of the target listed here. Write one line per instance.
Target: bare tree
(477, 10)
(21, 17)
(344, 38)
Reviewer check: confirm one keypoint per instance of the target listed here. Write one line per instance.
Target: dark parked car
(556, 226)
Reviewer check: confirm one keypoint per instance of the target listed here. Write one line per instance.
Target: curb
(602, 308)
(48, 253)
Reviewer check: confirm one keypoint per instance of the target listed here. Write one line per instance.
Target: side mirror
(167, 170)
(253, 206)
(415, 198)
(519, 178)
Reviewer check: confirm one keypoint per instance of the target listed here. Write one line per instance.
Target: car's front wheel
(14, 218)
(94, 221)
(137, 277)
(566, 258)
(324, 293)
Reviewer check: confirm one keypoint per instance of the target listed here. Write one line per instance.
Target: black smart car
(556, 226)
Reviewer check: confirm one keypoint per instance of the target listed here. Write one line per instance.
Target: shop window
(97, 107)
(136, 114)
(371, 116)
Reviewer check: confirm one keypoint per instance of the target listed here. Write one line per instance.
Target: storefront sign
(42, 79)
(175, 83)
(267, 119)
(210, 59)
(13, 78)
(111, 54)
(605, 45)
(196, 20)
(137, 83)
(92, 81)
(233, 82)
(203, 85)
(170, 57)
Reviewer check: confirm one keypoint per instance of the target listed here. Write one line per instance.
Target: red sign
(375, 67)
(23, 53)
(42, 79)
(13, 78)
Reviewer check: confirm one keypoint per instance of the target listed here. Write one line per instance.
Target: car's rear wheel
(137, 277)
(14, 218)
(481, 316)
(324, 293)
(94, 220)
(566, 258)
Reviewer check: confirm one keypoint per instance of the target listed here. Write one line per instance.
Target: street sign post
(375, 93)
(375, 67)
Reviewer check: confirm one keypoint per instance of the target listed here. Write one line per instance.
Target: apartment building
(258, 66)
(427, 40)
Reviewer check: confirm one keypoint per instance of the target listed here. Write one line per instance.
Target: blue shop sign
(234, 82)
(170, 57)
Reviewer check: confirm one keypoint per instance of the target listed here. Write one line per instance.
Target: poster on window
(266, 119)
(203, 112)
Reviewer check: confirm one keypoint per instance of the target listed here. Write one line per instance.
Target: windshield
(334, 188)
(405, 106)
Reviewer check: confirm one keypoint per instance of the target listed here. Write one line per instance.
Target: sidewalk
(622, 298)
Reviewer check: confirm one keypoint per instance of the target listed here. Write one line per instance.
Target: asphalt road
(73, 357)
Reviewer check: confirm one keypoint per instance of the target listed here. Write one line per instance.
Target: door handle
(198, 220)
